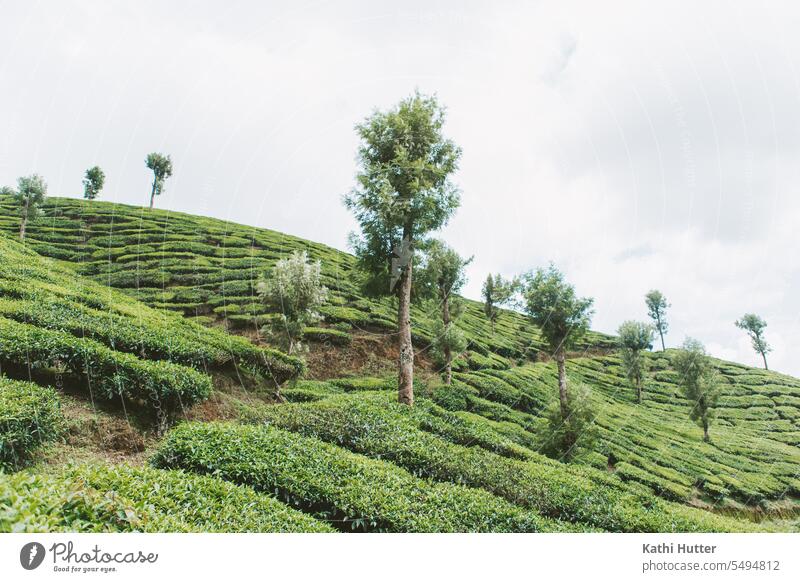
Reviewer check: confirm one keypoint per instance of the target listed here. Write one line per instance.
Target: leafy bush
(30, 416)
(357, 492)
(50, 503)
(327, 335)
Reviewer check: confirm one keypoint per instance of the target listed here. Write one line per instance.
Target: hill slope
(209, 268)
(341, 453)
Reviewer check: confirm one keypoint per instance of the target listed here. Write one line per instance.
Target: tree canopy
(161, 165)
(93, 182)
(657, 310)
(755, 326)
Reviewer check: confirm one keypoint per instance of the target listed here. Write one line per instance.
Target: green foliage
(197, 502)
(448, 340)
(103, 336)
(634, 338)
(30, 416)
(327, 335)
(404, 187)
(103, 498)
(657, 310)
(566, 438)
(442, 276)
(552, 305)
(354, 492)
(497, 293)
(49, 504)
(755, 326)
(160, 386)
(294, 287)
(27, 199)
(374, 426)
(220, 265)
(93, 182)
(161, 166)
(441, 272)
(699, 382)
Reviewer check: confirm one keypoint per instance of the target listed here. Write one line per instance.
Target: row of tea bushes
(352, 491)
(104, 498)
(373, 426)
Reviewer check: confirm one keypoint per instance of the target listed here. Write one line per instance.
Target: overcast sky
(637, 145)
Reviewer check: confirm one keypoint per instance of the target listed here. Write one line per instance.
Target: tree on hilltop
(93, 182)
(161, 166)
(754, 326)
(657, 310)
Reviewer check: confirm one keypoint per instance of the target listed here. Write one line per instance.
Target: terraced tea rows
(110, 346)
(209, 268)
(753, 458)
(341, 455)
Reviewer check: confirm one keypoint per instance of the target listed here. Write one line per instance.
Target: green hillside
(118, 323)
(209, 268)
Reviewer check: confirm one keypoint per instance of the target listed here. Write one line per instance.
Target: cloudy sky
(636, 145)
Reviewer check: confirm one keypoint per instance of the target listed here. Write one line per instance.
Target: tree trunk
(639, 390)
(661, 333)
(562, 382)
(764, 356)
(405, 385)
(152, 193)
(706, 438)
(22, 227)
(448, 356)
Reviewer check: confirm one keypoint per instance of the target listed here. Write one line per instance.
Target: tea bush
(30, 416)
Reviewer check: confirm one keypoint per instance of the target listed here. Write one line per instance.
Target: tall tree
(754, 326)
(162, 169)
(403, 193)
(657, 310)
(28, 198)
(563, 318)
(634, 338)
(93, 181)
(698, 379)
(442, 277)
(496, 293)
(294, 288)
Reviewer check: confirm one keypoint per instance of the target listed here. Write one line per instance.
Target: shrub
(327, 335)
(359, 493)
(30, 416)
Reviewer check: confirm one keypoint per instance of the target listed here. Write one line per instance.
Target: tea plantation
(113, 315)
(209, 268)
